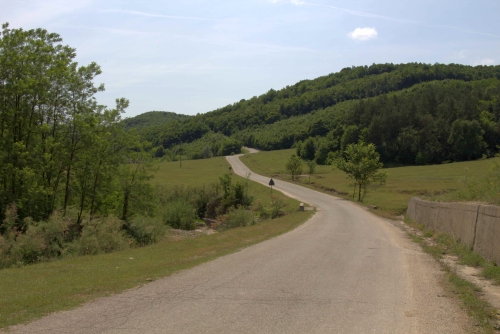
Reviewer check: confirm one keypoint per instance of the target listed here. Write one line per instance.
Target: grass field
(192, 172)
(391, 198)
(33, 291)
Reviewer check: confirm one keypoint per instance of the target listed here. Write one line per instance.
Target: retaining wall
(476, 225)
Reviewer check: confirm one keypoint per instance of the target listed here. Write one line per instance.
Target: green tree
(311, 168)
(294, 166)
(466, 140)
(308, 149)
(361, 162)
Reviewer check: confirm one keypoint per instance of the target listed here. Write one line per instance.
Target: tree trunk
(125, 204)
(94, 190)
(66, 194)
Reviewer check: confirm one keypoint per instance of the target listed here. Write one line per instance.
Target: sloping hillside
(414, 113)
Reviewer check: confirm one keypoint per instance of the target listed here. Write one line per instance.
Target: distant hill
(414, 113)
(152, 118)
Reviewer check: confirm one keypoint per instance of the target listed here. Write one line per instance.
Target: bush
(261, 210)
(180, 214)
(146, 230)
(239, 217)
(28, 248)
(54, 232)
(277, 208)
(102, 235)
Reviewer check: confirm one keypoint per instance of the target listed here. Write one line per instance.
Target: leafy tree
(466, 138)
(351, 135)
(207, 152)
(308, 149)
(361, 162)
(294, 166)
(311, 168)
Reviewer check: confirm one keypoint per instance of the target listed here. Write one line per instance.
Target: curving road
(344, 271)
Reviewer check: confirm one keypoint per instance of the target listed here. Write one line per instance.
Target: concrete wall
(475, 225)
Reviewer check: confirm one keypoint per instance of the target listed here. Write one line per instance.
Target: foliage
(361, 163)
(239, 217)
(146, 230)
(102, 235)
(466, 138)
(294, 166)
(180, 214)
(60, 148)
(277, 208)
(311, 168)
(152, 118)
(406, 110)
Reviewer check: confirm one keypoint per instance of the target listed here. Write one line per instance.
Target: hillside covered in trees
(152, 118)
(414, 114)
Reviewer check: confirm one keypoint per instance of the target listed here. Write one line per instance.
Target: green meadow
(390, 199)
(32, 291)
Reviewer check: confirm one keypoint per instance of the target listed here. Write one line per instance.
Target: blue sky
(194, 56)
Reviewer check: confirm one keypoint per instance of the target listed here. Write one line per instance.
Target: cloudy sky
(193, 56)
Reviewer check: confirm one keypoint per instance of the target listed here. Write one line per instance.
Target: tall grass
(484, 189)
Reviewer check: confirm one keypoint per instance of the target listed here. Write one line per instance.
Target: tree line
(433, 122)
(406, 110)
(60, 148)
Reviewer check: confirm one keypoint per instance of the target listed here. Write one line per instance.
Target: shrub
(54, 232)
(261, 210)
(146, 230)
(277, 208)
(102, 235)
(239, 217)
(28, 248)
(180, 214)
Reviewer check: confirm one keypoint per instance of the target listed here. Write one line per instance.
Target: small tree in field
(311, 168)
(294, 166)
(361, 163)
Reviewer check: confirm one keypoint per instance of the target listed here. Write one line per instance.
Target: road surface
(344, 271)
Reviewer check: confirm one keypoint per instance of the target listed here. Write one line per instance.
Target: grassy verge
(440, 244)
(390, 199)
(34, 291)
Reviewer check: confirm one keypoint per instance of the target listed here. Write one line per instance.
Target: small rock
(131, 258)
(149, 279)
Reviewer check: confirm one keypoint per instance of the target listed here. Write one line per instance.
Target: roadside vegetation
(36, 290)
(30, 292)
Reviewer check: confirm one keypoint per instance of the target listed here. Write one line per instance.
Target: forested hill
(410, 111)
(152, 118)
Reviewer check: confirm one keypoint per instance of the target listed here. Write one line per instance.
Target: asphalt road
(344, 271)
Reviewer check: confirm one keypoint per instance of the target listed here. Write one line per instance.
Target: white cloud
(363, 34)
(485, 61)
(388, 18)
